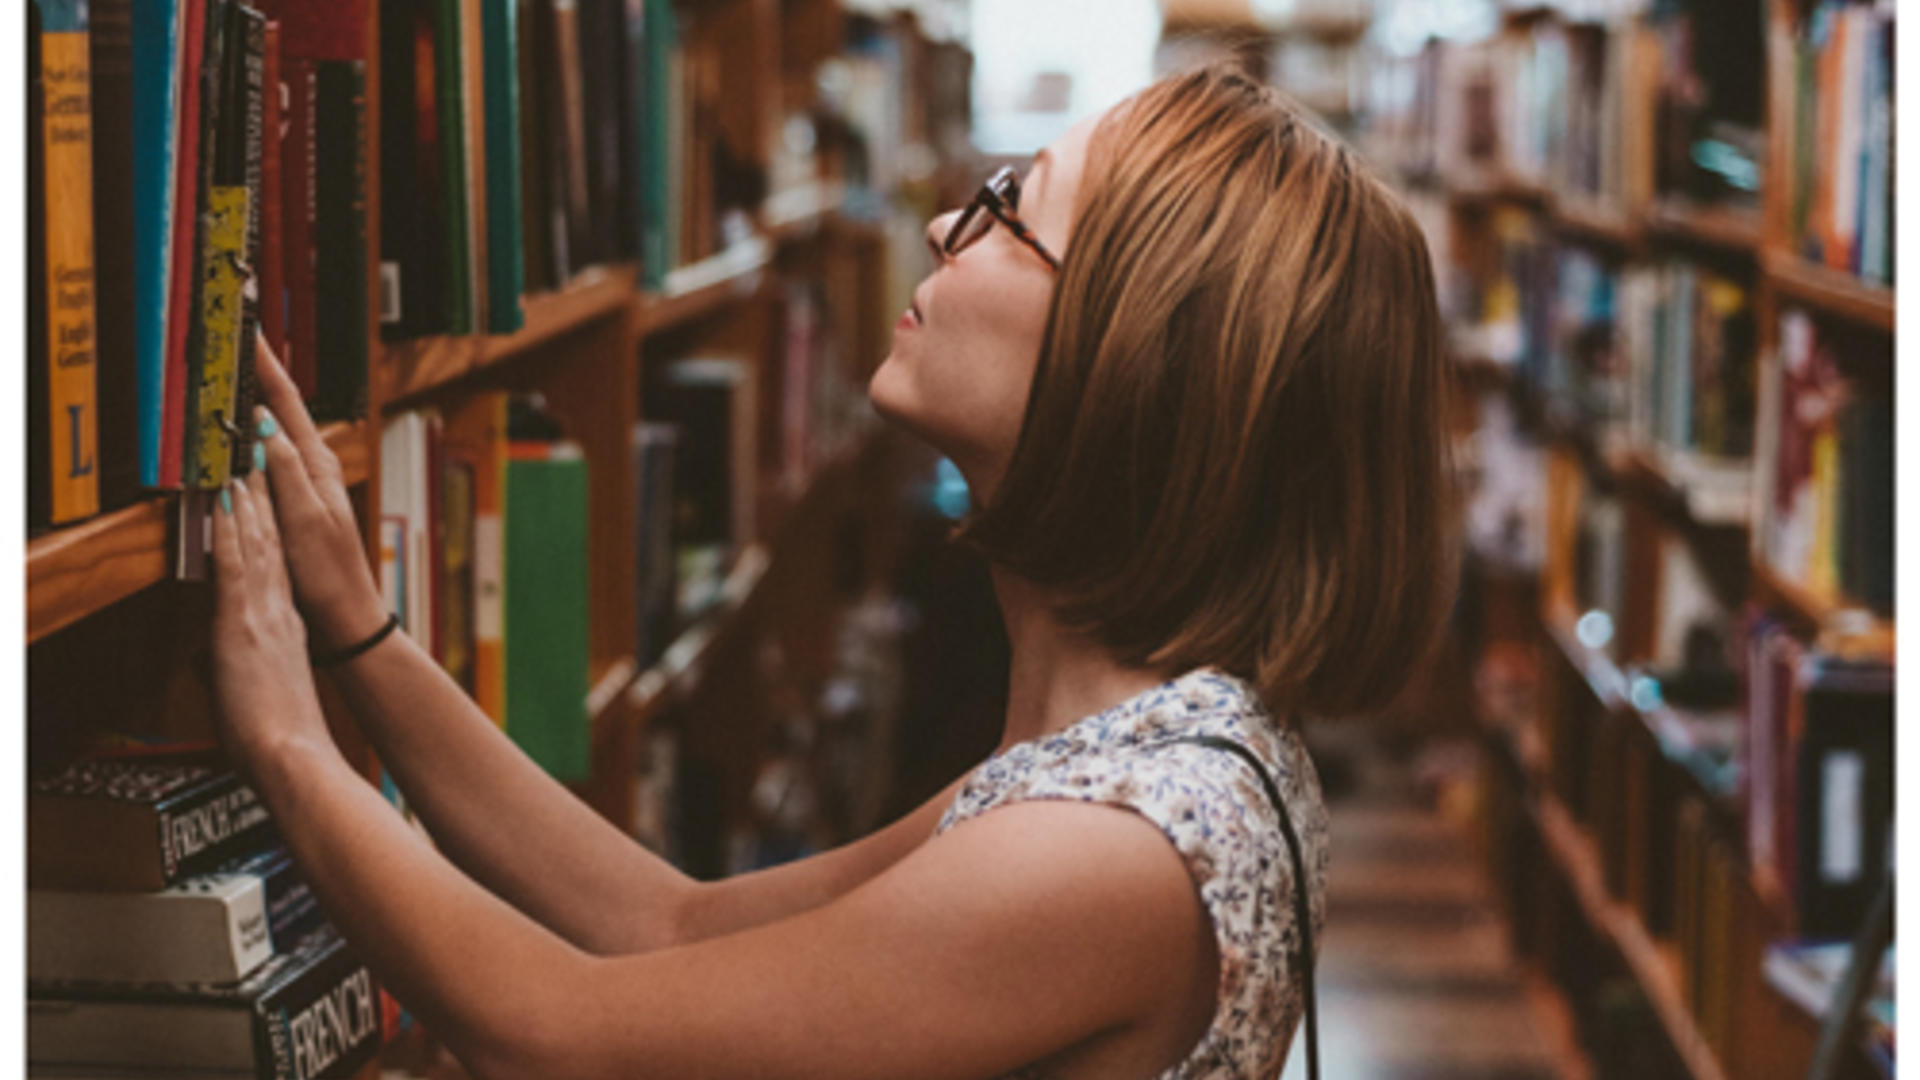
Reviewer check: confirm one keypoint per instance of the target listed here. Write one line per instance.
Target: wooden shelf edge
(1832, 291)
(701, 288)
(1713, 226)
(419, 366)
(77, 571)
(1574, 855)
(1873, 637)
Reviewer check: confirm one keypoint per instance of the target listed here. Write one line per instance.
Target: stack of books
(167, 929)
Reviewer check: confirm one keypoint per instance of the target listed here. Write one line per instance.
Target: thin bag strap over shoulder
(1303, 913)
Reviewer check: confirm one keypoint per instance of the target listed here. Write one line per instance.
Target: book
(476, 445)
(449, 81)
(506, 255)
(116, 377)
(158, 31)
(340, 228)
(214, 204)
(1844, 793)
(63, 484)
(272, 263)
(309, 1013)
(214, 927)
(413, 215)
(184, 241)
(252, 91)
(474, 136)
(713, 401)
(655, 584)
(139, 824)
(547, 590)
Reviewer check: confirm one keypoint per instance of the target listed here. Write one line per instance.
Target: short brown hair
(1235, 449)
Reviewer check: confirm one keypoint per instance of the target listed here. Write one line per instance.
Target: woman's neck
(1058, 677)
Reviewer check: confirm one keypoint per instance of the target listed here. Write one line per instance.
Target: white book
(211, 928)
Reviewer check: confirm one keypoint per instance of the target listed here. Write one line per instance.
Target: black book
(1844, 795)
(413, 221)
(310, 1013)
(110, 63)
(340, 226)
(250, 37)
(212, 86)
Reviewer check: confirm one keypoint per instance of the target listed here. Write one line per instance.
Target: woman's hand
(325, 555)
(262, 680)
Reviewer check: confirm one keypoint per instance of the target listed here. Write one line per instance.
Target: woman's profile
(1190, 365)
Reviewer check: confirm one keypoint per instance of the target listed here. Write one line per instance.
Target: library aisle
(1416, 978)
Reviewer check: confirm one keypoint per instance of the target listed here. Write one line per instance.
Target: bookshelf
(755, 229)
(1637, 839)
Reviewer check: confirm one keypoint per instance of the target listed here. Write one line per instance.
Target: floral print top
(1217, 815)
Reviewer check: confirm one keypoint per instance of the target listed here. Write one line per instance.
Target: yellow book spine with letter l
(67, 153)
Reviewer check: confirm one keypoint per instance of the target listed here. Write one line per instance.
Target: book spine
(449, 83)
(298, 169)
(273, 260)
(341, 334)
(571, 124)
(156, 126)
(213, 96)
(116, 371)
(489, 564)
(67, 162)
(291, 908)
(506, 254)
(473, 116)
(246, 390)
(546, 580)
(209, 826)
(323, 1023)
(184, 230)
(533, 26)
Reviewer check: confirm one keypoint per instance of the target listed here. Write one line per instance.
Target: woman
(1190, 367)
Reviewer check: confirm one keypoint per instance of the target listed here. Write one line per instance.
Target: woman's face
(964, 353)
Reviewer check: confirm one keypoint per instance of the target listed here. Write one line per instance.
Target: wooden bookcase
(1587, 779)
(102, 588)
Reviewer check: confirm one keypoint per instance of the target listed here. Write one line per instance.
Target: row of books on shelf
(196, 173)
(529, 139)
(1662, 357)
(169, 932)
(1841, 211)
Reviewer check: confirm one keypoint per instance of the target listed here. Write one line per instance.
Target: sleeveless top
(1214, 811)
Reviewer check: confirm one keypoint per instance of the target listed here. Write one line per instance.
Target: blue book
(156, 118)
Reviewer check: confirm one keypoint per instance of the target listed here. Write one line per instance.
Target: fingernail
(226, 501)
(259, 457)
(267, 427)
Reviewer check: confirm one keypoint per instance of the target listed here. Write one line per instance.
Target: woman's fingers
(229, 558)
(283, 398)
(294, 495)
(267, 530)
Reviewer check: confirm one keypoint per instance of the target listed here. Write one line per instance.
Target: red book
(273, 278)
(186, 165)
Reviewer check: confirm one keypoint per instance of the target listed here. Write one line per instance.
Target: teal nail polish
(268, 429)
(226, 501)
(259, 457)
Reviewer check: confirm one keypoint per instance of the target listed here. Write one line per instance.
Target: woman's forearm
(500, 817)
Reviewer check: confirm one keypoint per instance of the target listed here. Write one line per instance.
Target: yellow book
(223, 278)
(66, 155)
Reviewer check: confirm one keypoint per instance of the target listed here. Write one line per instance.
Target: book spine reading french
(324, 1022)
(66, 354)
(141, 826)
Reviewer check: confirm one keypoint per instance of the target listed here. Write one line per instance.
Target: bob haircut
(1235, 447)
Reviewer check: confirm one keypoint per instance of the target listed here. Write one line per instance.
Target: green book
(449, 85)
(546, 606)
(506, 272)
(657, 252)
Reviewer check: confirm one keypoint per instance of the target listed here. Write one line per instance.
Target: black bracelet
(341, 656)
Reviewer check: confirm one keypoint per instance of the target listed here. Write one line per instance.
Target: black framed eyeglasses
(1000, 198)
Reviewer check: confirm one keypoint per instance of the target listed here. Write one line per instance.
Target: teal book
(506, 260)
(546, 606)
(660, 35)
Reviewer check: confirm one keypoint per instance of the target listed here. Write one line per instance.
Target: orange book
(475, 442)
(63, 240)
